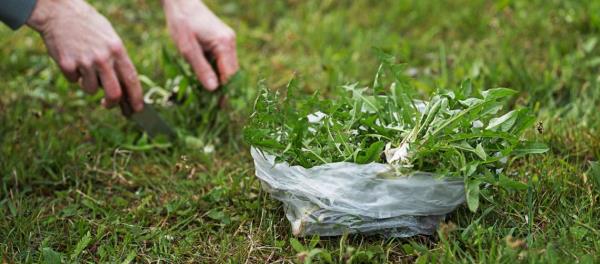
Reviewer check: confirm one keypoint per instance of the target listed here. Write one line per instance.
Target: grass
(69, 189)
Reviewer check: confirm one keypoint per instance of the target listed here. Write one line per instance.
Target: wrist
(178, 4)
(41, 15)
(47, 10)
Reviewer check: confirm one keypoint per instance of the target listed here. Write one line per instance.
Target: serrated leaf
(81, 245)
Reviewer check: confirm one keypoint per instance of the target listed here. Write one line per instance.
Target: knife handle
(126, 108)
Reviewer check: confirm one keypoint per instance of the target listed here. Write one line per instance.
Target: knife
(148, 120)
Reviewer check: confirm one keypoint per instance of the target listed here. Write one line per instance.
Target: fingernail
(212, 84)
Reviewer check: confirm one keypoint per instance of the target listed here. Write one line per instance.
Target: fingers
(193, 54)
(69, 69)
(129, 86)
(226, 56)
(129, 82)
(110, 82)
(117, 76)
(89, 80)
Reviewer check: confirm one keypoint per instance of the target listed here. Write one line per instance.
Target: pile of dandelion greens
(462, 132)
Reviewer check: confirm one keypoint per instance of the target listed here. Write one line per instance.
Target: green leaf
(408, 249)
(578, 232)
(466, 87)
(431, 111)
(480, 152)
(169, 65)
(314, 241)
(464, 114)
(279, 244)
(132, 254)
(12, 208)
(472, 193)
(219, 215)
(193, 142)
(326, 256)
(510, 184)
(486, 134)
(50, 256)
(497, 93)
(296, 245)
(369, 103)
(81, 245)
(503, 123)
(471, 101)
(422, 259)
(524, 120)
(313, 252)
(299, 131)
(371, 154)
(147, 81)
(530, 147)
(469, 169)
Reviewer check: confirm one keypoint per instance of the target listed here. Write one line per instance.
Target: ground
(73, 188)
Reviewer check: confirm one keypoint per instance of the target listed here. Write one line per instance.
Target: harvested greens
(457, 133)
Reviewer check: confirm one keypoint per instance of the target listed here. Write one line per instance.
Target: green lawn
(72, 186)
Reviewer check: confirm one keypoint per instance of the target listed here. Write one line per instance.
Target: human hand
(196, 32)
(87, 49)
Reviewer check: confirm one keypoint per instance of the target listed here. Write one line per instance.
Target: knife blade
(148, 120)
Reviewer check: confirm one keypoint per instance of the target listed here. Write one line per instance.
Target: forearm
(14, 13)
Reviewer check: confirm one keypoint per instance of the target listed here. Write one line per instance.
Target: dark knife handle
(126, 108)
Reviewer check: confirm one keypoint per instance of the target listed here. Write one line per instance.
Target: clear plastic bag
(343, 197)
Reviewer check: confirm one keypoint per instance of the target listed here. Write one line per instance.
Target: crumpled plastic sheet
(343, 197)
